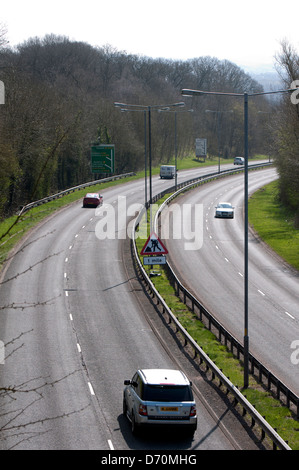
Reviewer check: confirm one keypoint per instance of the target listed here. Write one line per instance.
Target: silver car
(239, 161)
(159, 397)
(224, 210)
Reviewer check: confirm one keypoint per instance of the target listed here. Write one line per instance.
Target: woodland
(59, 101)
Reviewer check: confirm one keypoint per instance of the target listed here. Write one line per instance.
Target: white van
(167, 171)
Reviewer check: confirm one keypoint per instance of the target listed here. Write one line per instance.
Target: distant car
(239, 161)
(167, 171)
(159, 397)
(225, 210)
(92, 200)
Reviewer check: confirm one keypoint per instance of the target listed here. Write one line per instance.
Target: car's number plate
(169, 408)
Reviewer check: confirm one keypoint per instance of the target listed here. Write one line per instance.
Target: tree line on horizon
(59, 100)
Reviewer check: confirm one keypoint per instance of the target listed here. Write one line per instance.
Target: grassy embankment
(274, 223)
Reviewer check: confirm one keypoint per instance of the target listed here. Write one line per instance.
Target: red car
(92, 200)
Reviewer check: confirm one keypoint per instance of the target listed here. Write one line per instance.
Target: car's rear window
(167, 393)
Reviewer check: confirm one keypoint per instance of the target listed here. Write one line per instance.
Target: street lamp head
(219, 112)
(120, 105)
(168, 107)
(142, 106)
(169, 110)
(187, 92)
(181, 104)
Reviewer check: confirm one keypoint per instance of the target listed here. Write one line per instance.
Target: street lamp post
(124, 110)
(218, 130)
(246, 334)
(245, 96)
(175, 139)
(266, 112)
(148, 109)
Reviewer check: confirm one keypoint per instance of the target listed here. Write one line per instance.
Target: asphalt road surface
(215, 274)
(74, 329)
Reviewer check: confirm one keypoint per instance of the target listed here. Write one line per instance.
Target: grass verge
(274, 223)
(16, 227)
(276, 414)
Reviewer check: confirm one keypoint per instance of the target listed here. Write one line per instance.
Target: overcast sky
(246, 33)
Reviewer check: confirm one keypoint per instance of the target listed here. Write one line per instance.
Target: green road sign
(102, 158)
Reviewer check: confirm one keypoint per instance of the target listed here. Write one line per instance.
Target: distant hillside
(269, 80)
(265, 75)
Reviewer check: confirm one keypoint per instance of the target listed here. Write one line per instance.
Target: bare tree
(286, 146)
(3, 38)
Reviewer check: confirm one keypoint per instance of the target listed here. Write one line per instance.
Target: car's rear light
(193, 410)
(143, 410)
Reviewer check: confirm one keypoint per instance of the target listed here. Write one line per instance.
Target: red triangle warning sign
(154, 246)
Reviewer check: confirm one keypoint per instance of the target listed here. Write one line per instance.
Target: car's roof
(223, 202)
(92, 195)
(164, 376)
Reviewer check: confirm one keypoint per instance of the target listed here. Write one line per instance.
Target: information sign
(201, 147)
(150, 260)
(102, 158)
(153, 246)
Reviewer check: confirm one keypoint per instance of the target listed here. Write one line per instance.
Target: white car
(224, 210)
(239, 161)
(159, 397)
